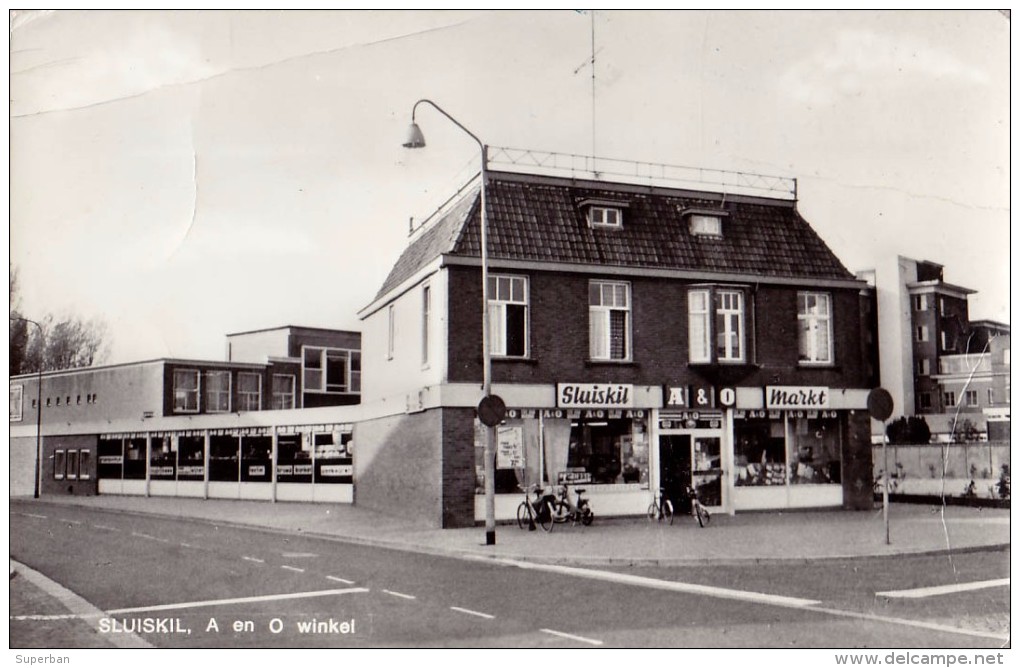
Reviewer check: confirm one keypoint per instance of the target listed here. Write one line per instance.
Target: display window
(223, 454)
(333, 464)
(791, 447)
(294, 458)
(110, 465)
(134, 458)
(163, 460)
(191, 458)
(256, 459)
(759, 451)
(814, 452)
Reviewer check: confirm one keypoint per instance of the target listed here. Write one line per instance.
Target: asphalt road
(212, 586)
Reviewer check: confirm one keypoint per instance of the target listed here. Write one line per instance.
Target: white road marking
(148, 537)
(336, 579)
(924, 592)
(103, 527)
(930, 626)
(668, 585)
(38, 517)
(472, 612)
(233, 601)
(398, 594)
(189, 545)
(64, 519)
(299, 555)
(46, 618)
(569, 636)
(256, 560)
(293, 568)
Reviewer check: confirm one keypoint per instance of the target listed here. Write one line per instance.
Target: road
(203, 585)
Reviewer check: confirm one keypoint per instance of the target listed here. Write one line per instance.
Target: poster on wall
(510, 448)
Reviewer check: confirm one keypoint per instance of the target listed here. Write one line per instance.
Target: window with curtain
(217, 391)
(814, 326)
(508, 315)
(609, 320)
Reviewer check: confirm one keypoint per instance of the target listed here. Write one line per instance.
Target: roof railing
(641, 173)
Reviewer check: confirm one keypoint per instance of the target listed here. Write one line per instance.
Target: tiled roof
(541, 219)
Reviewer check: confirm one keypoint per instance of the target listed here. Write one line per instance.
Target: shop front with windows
(597, 438)
(286, 463)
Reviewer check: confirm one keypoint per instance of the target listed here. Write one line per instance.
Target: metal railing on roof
(641, 173)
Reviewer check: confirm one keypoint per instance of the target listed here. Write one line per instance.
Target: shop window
(814, 450)
(759, 452)
(223, 458)
(609, 320)
(508, 316)
(971, 397)
(134, 459)
(814, 320)
(84, 464)
(256, 459)
(110, 464)
(283, 391)
(332, 458)
(294, 458)
(249, 391)
(163, 458)
(716, 315)
(59, 464)
(191, 458)
(186, 384)
(332, 370)
(217, 391)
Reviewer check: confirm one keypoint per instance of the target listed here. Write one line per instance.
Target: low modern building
(642, 336)
(201, 428)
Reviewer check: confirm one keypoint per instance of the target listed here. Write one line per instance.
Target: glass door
(706, 467)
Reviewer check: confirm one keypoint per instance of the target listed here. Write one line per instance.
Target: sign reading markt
(793, 397)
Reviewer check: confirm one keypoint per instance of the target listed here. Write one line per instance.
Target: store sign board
(779, 397)
(594, 395)
(336, 470)
(573, 477)
(689, 396)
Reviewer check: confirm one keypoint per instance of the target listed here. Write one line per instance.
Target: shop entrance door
(691, 458)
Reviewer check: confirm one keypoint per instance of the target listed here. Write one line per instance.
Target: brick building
(641, 336)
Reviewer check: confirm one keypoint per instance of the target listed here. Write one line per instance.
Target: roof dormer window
(605, 216)
(705, 222)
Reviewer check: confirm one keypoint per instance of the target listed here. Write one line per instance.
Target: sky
(188, 174)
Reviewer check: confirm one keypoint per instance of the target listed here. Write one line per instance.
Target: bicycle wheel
(523, 516)
(545, 516)
(653, 512)
(561, 512)
(704, 517)
(667, 511)
(587, 518)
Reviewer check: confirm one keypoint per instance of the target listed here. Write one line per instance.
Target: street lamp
(415, 139)
(38, 413)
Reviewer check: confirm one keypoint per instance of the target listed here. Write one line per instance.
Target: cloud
(859, 61)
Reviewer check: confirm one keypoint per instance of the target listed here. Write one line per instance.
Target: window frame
(921, 333)
(924, 367)
(426, 323)
(352, 375)
(498, 321)
(968, 395)
(292, 395)
(949, 398)
(714, 297)
(220, 393)
(605, 211)
(604, 312)
(196, 392)
(815, 318)
(244, 396)
(705, 225)
(921, 302)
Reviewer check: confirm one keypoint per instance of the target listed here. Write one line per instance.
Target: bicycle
(699, 511)
(538, 511)
(575, 512)
(661, 508)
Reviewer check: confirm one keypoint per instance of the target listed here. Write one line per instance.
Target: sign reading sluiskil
(793, 397)
(594, 395)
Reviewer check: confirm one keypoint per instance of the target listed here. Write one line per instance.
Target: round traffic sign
(880, 404)
(491, 410)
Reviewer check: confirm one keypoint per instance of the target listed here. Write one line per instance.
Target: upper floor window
(942, 340)
(605, 216)
(608, 320)
(814, 320)
(925, 400)
(705, 225)
(249, 391)
(508, 315)
(942, 306)
(716, 315)
(922, 333)
(217, 391)
(920, 302)
(186, 385)
(331, 370)
(17, 394)
(949, 399)
(426, 317)
(283, 391)
(391, 333)
(923, 367)
(971, 397)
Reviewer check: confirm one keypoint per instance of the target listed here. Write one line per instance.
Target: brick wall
(458, 468)
(558, 336)
(856, 465)
(398, 466)
(77, 487)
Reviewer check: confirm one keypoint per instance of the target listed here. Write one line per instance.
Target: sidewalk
(742, 538)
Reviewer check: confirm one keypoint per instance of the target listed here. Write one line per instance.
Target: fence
(945, 469)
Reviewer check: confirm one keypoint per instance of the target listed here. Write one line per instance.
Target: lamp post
(415, 139)
(37, 485)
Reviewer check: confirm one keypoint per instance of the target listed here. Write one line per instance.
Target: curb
(476, 555)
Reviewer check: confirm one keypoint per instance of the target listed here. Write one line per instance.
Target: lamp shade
(415, 139)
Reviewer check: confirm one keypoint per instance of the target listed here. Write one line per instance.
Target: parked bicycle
(661, 508)
(539, 510)
(575, 512)
(699, 511)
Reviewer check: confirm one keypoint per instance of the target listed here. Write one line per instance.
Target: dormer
(602, 213)
(705, 222)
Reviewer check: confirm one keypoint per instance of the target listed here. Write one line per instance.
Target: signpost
(880, 407)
